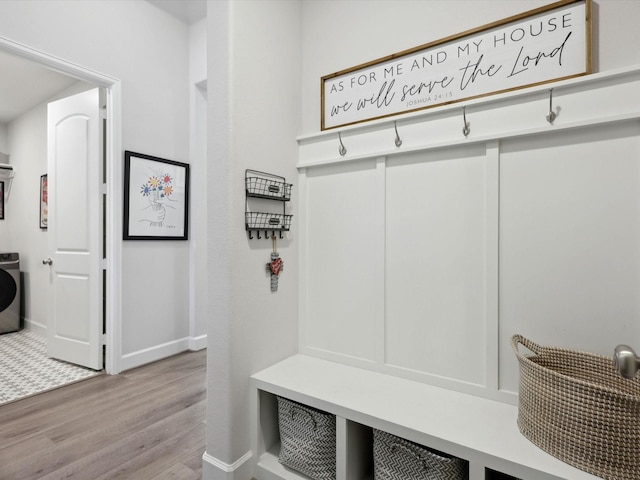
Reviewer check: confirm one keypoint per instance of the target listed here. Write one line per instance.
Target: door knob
(47, 261)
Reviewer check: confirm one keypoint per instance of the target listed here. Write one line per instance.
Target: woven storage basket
(576, 407)
(395, 458)
(307, 439)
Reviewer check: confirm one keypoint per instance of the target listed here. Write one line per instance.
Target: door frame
(113, 167)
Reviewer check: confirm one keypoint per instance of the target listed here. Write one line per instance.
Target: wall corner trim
(215, 469)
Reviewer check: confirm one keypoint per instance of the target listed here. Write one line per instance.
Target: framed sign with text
(544, 45)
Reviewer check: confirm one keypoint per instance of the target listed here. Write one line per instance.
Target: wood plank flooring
(147, 423)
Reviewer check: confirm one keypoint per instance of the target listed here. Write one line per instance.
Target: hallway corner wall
(254, 113)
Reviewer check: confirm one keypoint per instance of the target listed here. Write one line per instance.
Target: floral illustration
(158, 189)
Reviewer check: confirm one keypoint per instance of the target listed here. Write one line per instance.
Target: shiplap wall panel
(341, 313)
(435, 269)
(570, 241)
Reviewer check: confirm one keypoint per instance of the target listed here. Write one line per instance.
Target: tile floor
(26, 370)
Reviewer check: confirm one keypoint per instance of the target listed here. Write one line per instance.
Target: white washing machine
(9, 292)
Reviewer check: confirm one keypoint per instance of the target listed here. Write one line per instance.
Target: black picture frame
(156, 198)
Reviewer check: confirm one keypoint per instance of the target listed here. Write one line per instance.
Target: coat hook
(465, 130)
(250, 236)
(398, 140)
(551, 116)
(342, 150)
(281, 237)
(258, 232)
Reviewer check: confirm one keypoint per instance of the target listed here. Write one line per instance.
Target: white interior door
(74, 329)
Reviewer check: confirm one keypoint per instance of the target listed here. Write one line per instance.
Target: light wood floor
(147, 423)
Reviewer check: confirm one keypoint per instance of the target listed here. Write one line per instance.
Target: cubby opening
(494, 475)
(268, 418)
(359, 451)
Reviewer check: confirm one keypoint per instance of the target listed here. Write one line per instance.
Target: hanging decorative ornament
(275, 266)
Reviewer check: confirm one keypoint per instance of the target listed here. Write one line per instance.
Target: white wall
(254, 117)
(198, 288)
(148, 51)
(3, 138)
(198, 51)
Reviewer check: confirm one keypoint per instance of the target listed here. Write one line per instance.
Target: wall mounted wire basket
(266, 186)
(269, 188)
(267, 221)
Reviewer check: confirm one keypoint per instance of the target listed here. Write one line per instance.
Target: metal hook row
(342, 150)
(551, 116)
(466, 126)
(466, 129)
(397, 141)
(266, 234)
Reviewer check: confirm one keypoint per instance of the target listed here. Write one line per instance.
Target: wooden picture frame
(543, 45)
(44, 201)
(156, 198)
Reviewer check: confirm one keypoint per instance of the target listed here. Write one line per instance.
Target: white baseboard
(198, 343)
(35, 327)
(141, 357)
(214, 469)
(158, 352)
(152, 354)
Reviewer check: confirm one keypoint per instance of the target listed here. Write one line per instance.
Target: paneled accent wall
(423, 260)
(342, 276)
(437, 219)
(570, 240)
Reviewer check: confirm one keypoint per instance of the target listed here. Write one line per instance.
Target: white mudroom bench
(481, 431)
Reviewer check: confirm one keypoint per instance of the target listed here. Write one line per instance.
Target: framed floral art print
(156, 198)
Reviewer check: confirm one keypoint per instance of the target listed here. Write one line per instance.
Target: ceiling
(25, 84)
